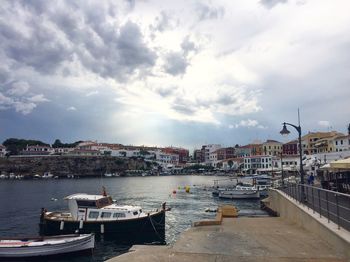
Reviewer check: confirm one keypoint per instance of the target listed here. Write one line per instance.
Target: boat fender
(81, 222)
(61, 225)
(102, 228)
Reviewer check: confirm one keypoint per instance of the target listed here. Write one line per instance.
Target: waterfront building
(290, 148)
(319, 142)
(197, 156)
(84, 152)
(166, 160)
(63, 150)
(253, 163)
(243, 151)
(181, 152)
(342, 143)
(207, 150)
(272, 148)
(220, 154)
(38, 150)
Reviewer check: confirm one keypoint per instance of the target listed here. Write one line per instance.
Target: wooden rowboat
(45, 246)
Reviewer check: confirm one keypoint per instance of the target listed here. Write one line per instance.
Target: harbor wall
(293, 212)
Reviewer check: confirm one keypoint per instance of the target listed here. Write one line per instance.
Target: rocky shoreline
(79, 166)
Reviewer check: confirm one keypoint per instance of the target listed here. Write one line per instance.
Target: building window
(341, 142)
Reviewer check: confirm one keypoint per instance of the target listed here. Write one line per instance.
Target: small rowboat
(45, 246)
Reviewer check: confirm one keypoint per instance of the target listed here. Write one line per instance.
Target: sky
(172, 73)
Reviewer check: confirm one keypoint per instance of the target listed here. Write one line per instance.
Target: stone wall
(70, 165)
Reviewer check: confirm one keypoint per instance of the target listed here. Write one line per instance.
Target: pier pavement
(240, 239)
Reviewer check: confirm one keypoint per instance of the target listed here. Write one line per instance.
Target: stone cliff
(71, 165)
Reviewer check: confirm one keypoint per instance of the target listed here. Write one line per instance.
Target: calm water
(22, 200)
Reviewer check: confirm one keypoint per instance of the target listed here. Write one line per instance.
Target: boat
(45, 246)
(99, 214)
(47, 175)
(240, 192)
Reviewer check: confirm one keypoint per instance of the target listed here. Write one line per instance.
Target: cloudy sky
(181, 73)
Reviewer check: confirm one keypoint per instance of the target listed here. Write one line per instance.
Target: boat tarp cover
(342, 164)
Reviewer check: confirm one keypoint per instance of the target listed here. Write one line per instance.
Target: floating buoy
(187, 189)
(174, 191)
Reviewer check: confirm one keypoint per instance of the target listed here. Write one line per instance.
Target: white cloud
(24, 107)
(38, 98)
(92, 93)
(248, 123)
(324, 123)
(71, 108)
(18, 88)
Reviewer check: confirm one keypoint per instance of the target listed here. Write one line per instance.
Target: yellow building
(272, 148)
(319, 142)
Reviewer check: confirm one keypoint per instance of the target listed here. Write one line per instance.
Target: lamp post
(282, 175)
(285, 131)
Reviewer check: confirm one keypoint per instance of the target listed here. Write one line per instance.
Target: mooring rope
(155, 230)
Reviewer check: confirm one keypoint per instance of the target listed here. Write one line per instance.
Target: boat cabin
(99, 208)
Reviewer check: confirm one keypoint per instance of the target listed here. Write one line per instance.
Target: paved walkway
(240, 239)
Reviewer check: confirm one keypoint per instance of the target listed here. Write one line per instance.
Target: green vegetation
(58, 143)
(15, 146)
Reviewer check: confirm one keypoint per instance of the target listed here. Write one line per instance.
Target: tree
(15, 146)
(230, 163)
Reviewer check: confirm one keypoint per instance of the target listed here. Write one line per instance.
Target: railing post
(337, 204)
(319, 200)
(313, 201)
(307, 196)
(327, 205)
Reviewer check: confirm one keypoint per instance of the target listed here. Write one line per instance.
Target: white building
(253, 163)
(342, 143)
(208, 150)
(165, 159)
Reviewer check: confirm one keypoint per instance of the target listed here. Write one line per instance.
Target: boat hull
(48, 249)
(236, 194)
(141, 230)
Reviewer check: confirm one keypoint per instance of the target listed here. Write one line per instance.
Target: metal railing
(332, 205)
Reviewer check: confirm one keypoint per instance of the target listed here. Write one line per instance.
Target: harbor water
(21, 201)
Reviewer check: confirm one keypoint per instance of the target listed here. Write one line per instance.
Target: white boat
(240, 192)
(45, 246)
(47, 175)
(99, 214)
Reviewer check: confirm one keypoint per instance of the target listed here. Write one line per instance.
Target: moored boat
(100, 215)
(45, 246)
(240, 192)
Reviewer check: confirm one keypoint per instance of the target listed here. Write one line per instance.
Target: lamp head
(284, 131)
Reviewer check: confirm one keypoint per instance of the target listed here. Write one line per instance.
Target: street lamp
(285, 131)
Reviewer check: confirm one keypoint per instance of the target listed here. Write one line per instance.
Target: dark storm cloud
(175, 64)
(271, 3)
(66, 31)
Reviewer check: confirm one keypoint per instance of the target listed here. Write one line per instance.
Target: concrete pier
(240, 239)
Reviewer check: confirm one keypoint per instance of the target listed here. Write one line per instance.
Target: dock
(232, 238)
